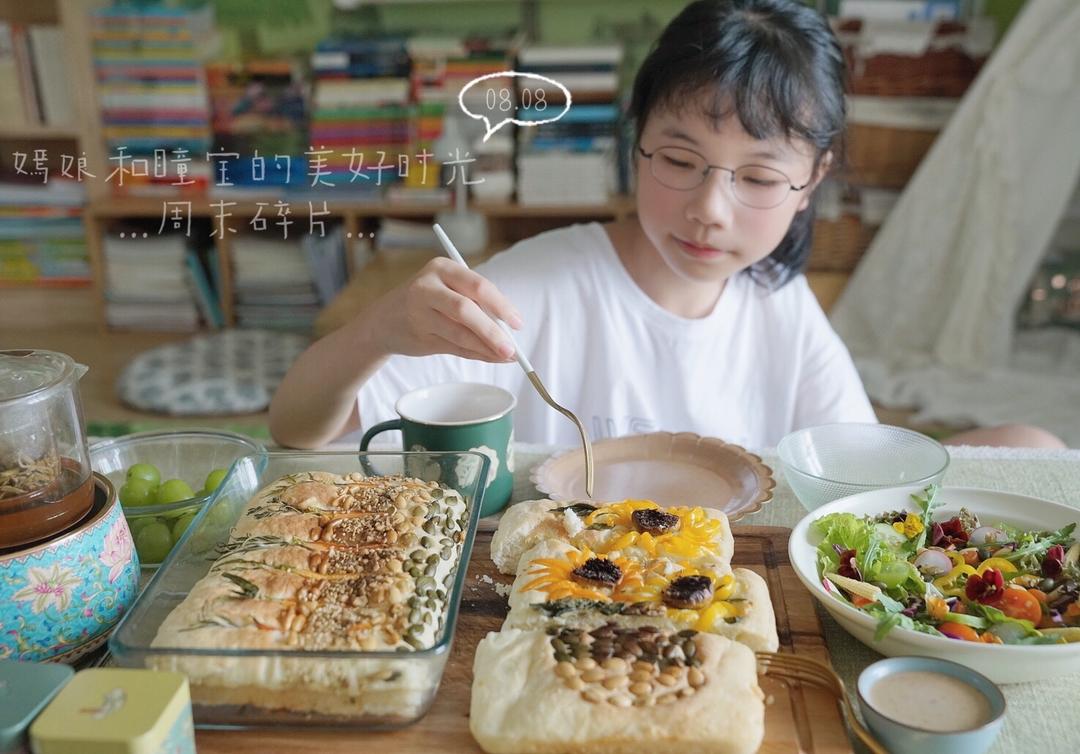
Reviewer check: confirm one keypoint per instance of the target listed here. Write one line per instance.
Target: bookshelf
(41, 247)
(33, 133)
(507, 221)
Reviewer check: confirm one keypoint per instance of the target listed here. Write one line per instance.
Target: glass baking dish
(247, 688)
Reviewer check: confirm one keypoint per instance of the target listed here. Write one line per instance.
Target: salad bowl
(1002, 663)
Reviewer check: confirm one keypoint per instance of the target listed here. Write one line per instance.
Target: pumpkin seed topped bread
(627, 690)
(322, 562)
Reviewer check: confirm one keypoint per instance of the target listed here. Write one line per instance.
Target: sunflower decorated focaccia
(636, 528)
(559, 584)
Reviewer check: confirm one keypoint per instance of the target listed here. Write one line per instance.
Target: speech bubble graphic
(538, 96)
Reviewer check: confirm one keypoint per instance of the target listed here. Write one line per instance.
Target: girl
(691, 316)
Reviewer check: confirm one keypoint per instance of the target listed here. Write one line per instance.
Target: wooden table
(796, 719)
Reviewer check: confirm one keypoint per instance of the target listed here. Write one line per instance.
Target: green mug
(460, 416)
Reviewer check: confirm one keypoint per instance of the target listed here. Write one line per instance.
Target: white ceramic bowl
(999, 663)
(832, 461)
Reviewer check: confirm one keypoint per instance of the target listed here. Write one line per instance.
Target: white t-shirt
(759, 366)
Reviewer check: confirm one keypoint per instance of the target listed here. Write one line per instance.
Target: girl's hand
(443, 309)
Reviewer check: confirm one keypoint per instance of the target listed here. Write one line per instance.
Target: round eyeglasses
(755, 186)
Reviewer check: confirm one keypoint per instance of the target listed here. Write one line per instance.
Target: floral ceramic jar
(60, 599)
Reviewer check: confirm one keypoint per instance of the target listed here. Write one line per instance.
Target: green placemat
(255, 430)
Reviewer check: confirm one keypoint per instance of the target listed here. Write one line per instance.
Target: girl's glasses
(753, 185)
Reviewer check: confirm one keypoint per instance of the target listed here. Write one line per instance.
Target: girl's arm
(316, 402)
(440, 310)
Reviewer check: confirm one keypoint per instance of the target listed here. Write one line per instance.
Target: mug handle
(378, 428)
(369, 436)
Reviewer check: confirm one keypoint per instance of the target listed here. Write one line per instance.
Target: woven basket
(885, 157)
(936, 73)
(839, 244)
(944, 70)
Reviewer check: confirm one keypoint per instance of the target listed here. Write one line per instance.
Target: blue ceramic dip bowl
(926, 705)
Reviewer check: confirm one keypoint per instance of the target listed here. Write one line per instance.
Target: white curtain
(930, 312)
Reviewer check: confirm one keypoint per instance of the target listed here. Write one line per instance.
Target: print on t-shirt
(607, 426)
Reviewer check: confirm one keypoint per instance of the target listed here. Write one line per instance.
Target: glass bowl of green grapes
(163, 480)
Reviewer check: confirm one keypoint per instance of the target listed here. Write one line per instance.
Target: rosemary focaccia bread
(639, 529)
(615, 690)
(559, 585)
(320, 562)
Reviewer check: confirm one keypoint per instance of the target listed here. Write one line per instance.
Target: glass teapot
(46, 485)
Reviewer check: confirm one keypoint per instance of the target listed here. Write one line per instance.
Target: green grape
(136, 523)
(213, 479)
(147, 471)
(174, 491)
(181, 524)
(219, 516)
(136, 492)
(153, 543)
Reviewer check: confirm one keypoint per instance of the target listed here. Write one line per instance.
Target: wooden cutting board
(796, 720)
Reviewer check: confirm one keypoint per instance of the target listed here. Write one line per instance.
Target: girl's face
(705, 234)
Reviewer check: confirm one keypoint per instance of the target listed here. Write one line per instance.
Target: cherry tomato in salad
(959, 631)
(1021, 604)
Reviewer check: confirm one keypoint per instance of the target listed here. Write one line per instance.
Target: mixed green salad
(953, 577)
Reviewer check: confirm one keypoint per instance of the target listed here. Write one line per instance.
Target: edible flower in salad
(1052, 563)
(910, 527)
(950, 532)
(987, 588)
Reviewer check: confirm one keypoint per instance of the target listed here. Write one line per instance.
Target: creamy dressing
(928, 700)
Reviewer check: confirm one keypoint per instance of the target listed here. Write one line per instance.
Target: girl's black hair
(777, 65)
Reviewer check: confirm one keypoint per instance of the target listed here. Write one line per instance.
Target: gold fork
(793, 668)
(523, 362)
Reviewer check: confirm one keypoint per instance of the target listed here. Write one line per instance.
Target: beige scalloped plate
(669, 469)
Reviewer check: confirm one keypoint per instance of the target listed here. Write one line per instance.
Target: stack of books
(154, 101)
(325, 256)
(492, 174)
(483, 56)
(34, 85)
(273, 284)
(41, 235)
(259, 110)
(360, 115)
(573, 160)
(146, 283)
(429, 57)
